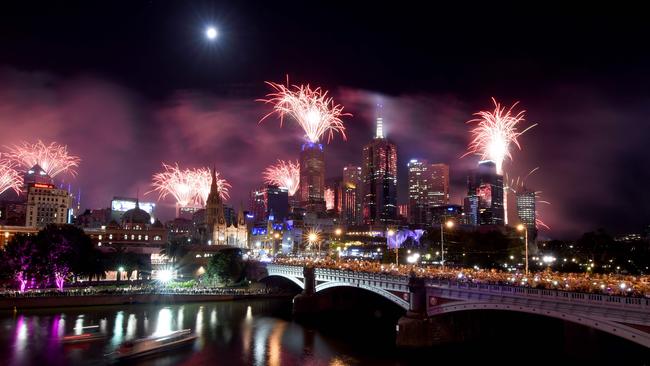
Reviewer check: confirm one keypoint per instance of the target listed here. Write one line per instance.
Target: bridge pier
(306, 303)
(416, 329)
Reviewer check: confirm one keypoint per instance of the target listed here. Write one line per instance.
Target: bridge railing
(389, 280)
(550, 294)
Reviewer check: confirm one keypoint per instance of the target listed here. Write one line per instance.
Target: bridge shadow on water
(362, 322)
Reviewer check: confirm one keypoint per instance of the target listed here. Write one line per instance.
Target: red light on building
(40, 185)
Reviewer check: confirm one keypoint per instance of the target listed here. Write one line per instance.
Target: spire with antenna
(380, 121)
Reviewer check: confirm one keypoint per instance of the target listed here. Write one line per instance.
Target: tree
(21, 258)
(68, 251)
(226, 267)
(53, 255)
(175, 249)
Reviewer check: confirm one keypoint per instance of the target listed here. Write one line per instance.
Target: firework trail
(9, 177)
(202, 182)
(53, 158)
(312, 109)
(494, 133)
(285, 174)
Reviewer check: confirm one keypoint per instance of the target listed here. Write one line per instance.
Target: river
(257, 332)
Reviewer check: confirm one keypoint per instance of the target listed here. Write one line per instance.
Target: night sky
(127, 85)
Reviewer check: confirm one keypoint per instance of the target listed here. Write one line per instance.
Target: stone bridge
(423, 299)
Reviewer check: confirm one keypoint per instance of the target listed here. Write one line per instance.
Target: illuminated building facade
(311, 191)
(526, 208)
(269, 200)
(47, 204)
(486, 187)
(219, 230)
(428, 187)
(418, 189)
(379, 173)
(120, 205)
(351, 197)
(438, 193)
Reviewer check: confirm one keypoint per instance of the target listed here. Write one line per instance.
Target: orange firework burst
(314, 111)
(53, 158)
(285, 174)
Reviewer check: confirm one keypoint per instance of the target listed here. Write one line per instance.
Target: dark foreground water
(261, 332)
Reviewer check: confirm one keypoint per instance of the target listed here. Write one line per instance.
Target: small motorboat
(155, 344)
(88, 334)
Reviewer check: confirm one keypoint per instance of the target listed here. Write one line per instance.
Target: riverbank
(21, 303)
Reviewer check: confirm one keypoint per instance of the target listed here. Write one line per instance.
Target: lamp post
(524, 228)
(391, 232)
(449, 224)
(313, 237)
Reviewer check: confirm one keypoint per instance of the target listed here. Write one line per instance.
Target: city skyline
(107, 117)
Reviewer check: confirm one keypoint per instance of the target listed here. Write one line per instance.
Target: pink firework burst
(9, 177)
(176, 182)
(202, 183)
(285, 174)
(312, 109)
(494, 133)
(53, 158)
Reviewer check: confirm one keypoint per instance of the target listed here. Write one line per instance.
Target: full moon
(211, 33)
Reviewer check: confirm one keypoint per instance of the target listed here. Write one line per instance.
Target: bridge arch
(620, 330)
(293, 279)
(379, 291)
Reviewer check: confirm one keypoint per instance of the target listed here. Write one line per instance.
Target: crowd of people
(607, 284)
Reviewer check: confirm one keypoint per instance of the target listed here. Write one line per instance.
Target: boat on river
(155, 344)
(88, 334)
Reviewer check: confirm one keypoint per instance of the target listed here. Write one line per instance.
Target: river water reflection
(261, 332)
(230, 333)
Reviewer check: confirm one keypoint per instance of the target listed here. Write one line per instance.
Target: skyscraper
(438, 194)
(267, 200)
(418, 189)
(379, 179)
(351, 199)
(487, 186)
(428, 187)
(526, 208)
(312, 177)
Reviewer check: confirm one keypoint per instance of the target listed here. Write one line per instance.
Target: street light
(449, 224)
(390, 233)
(523, 228)
(312, 237)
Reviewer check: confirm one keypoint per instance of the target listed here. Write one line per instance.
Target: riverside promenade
(35, 300)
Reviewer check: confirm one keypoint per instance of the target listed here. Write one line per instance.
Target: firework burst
(285, 174)
(312, 109)
(181, 184)
(9, 177)
(203, 181)
(494, 133)
(53, 158)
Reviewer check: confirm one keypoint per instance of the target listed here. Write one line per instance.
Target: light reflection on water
(237, 333)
